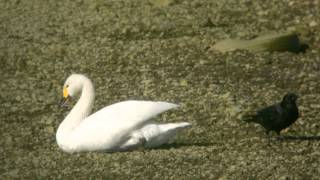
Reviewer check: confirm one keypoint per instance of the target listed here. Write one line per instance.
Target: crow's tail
(250, 118)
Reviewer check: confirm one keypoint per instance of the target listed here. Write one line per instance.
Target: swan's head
(73, 86)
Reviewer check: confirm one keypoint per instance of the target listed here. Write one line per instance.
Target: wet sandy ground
(134, 50)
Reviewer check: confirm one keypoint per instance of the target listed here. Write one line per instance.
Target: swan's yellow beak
(66, 97)
(65, 92)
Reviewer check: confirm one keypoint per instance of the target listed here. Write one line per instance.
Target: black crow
(278, 116)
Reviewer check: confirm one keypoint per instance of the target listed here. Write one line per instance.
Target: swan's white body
(118, 127)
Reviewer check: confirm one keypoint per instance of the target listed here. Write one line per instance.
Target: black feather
(278, 116)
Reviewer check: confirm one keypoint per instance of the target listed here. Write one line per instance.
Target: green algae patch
(272, 42)
(160, 3)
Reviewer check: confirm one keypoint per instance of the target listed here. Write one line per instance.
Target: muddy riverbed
(141, 50)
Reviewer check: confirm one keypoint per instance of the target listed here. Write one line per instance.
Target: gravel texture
(140, 49)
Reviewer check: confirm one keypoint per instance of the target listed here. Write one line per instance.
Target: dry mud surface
(132, 49)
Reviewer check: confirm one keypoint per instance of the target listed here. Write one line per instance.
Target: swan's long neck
(80, 111)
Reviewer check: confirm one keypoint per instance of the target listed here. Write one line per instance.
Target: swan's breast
(66, 146)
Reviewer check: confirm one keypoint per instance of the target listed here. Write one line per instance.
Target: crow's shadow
(301, 138)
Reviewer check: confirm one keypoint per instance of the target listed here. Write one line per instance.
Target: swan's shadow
(163, 147)
(181, 145)
(301, 138)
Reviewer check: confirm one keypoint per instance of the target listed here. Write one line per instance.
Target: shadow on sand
(301, 138)
(180, 145)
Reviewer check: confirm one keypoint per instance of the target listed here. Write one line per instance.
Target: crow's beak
(65, 101)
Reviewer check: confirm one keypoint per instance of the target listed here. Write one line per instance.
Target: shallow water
(133, 50)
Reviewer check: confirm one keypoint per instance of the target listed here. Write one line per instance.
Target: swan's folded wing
(132, 112)
(110, 126)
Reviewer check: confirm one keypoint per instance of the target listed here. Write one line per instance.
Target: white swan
(119, 127)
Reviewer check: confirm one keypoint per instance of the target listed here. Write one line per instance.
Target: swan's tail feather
(165, 133)
(174, 126)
